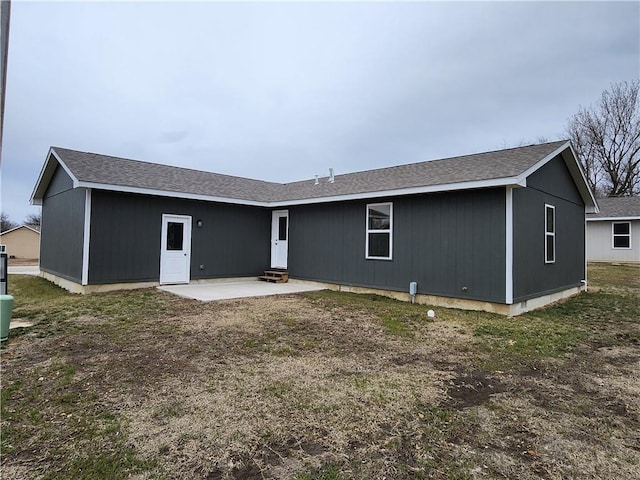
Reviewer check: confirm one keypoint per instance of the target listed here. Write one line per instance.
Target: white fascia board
(574, 168)
(590, 208)
(166, 193)
(30, 228)
(19, 227)
(47, 174)
(543, 162)
(612, 219)
(66, 169)
(500, 182)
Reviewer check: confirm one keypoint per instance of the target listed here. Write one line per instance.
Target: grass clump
(330, 472)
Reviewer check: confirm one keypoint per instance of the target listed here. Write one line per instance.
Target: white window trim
(614, 235)
(389, 231)
(549, 234)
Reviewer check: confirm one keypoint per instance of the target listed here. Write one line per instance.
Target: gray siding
(126, 228)
(62, 229)
(443, 241)
(552, 184)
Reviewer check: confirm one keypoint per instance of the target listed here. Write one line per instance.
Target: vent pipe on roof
(331, 178)
(317, 182)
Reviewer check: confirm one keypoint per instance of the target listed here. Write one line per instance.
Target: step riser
(274, 276)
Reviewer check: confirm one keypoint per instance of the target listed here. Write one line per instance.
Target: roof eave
(499, 182)
(614, 219)
(18, 228)
(171, 194)
(448, 187)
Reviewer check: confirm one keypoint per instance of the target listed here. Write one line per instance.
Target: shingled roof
(93, 168)
(498, 168)
(622, 208)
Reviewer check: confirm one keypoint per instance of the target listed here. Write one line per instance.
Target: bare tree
(606, 138)
(6, 223)
(33, 219)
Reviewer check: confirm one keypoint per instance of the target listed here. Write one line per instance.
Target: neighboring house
(501, 231)
(613, 234)
(22, 242)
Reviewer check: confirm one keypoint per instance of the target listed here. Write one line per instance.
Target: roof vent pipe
(331, 178)
(316, 182)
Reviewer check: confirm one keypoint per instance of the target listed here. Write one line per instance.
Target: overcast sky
(283, 91)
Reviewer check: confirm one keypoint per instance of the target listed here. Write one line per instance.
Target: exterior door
(175, 250)
(279, 238)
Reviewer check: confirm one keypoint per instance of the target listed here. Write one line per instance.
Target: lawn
(324, 385)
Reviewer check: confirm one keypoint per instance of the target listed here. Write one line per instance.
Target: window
(379, 231)
(174, 236)
(549, 234)
(621, 234)
(282, 228)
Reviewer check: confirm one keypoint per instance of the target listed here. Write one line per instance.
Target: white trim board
(509, 246)
(612, 219)
(500, 182)
(18, 228)
(86, 239)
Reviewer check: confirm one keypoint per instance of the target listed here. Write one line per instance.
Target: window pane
(551, 254)
(174, 236)
(621, 228)
(550, 220)
(380, 217)
(379, 245)
(282, 228)
(621, 242)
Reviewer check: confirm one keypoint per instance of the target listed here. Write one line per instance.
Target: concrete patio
(23, 270)
(225, 290)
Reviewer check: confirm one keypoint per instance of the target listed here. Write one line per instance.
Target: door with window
(175, 251)
(279, 238)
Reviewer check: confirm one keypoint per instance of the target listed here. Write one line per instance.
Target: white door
(279, 238)
(175, 250)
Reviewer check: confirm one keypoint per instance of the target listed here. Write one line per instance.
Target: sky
(284, 91)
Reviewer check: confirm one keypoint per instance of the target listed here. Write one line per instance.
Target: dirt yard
(324, 385)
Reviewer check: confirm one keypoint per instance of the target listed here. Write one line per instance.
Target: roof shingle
(621, 207)
(106, 170)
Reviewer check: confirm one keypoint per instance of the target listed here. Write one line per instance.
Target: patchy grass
(325, 386)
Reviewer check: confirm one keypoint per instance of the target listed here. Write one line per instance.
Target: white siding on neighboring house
(600, 242)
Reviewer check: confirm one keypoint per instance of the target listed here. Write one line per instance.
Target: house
(501, 231)
(22, 242)
(613, 234)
